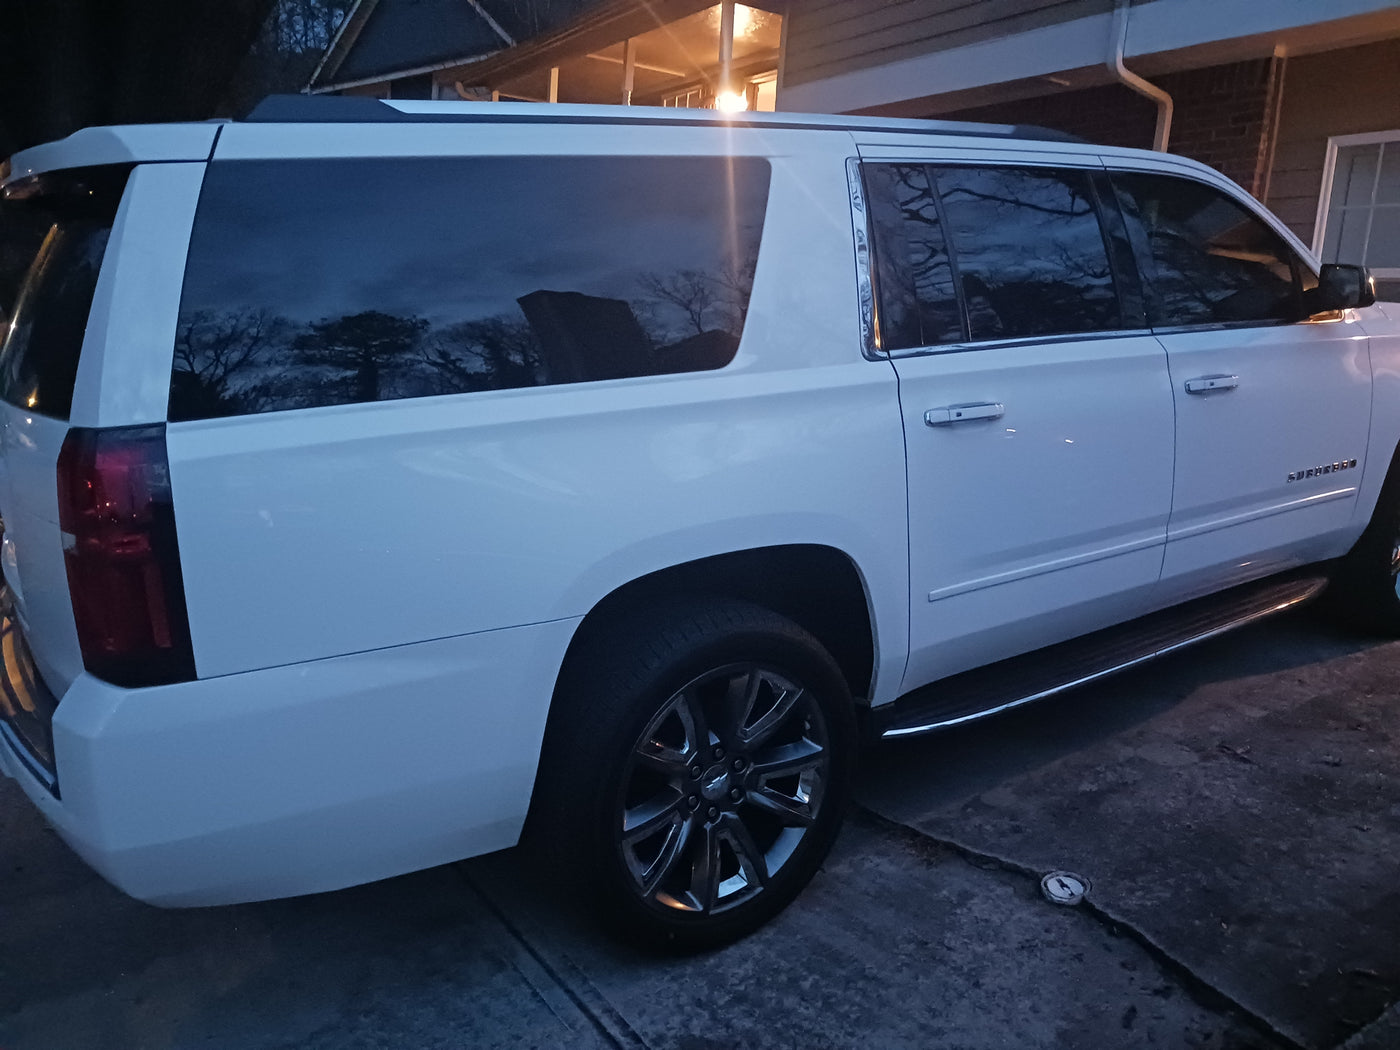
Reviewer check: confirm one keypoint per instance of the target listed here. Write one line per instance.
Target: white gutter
(1131, 80)
(395, 74)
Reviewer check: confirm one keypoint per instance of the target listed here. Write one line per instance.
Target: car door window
(913, 269)
(970, 254)
(1207, 260)
(1029, 252)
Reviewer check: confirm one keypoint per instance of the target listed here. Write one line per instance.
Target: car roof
(313, 109)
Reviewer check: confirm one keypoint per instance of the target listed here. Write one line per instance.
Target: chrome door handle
(1208, 384)
(942, 417)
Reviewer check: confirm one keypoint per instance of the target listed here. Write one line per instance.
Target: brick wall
(1223, 116)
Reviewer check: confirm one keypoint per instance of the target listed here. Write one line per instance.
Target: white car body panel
(542, 502)
(127, 144)
(1034, 527)
(32, 552)
(1381, 323)
(303, 778)
(120, 381)
(1303, 400)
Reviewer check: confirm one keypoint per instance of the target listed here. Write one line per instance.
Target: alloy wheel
(721, 788)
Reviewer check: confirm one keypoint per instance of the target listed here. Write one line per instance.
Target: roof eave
(395, 74)
(608, 23)
(343, 40)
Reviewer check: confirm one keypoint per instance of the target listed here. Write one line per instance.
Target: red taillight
(123, 563)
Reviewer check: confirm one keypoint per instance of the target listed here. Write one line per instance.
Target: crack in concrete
(1201, 989)
(609, 1023)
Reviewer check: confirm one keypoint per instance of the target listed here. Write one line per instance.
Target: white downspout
(1131, 80)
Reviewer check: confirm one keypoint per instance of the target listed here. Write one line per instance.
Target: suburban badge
(1326, 468)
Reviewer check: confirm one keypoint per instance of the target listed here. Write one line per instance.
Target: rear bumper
(302, 778)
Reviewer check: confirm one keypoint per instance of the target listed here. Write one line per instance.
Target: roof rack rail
(359, 109)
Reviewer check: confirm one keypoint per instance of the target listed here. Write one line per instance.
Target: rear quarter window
(53, 236)
(328, 282)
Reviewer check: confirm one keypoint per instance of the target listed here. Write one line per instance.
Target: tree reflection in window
(913, 271)
(1029, 251)
(986, 253)
(331, 282)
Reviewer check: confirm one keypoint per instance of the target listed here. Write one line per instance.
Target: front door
(1272, 410)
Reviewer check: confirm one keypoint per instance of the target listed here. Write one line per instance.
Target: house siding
(1342, 92)
(828, 37)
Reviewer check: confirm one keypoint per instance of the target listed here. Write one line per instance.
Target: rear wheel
(695, 770)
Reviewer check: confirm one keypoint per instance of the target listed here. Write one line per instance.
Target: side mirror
(1341, 287)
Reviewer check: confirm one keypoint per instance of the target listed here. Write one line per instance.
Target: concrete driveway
(1236, 810)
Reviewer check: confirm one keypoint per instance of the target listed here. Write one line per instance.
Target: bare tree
(689, 291)
(293, 39)
(221, 359)
(489, 353)
(361, 354)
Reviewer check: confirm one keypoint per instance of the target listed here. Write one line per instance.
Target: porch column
(726, 45)
(629, 69)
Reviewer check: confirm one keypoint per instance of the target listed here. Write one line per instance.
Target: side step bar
(1045, 672)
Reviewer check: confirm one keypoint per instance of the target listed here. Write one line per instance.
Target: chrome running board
(1024, 679)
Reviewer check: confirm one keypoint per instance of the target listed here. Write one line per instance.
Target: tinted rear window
(329, 282)
(56, 229)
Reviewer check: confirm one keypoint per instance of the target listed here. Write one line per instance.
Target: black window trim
(868, 284)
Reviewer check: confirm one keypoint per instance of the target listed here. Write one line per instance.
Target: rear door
(1272, 407)
(1037, 410)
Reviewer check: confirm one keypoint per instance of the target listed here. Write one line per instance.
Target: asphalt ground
(1235, 809)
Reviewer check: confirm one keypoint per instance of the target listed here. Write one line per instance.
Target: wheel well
(816, 587)
(1388, 484)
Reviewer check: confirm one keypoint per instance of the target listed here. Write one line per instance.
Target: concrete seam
(1196, 985)
(611, 1025)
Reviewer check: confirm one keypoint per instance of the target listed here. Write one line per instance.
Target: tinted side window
(336, 281)
(1206, 259)
(60, 225)
(913, 271)
(1029, 252)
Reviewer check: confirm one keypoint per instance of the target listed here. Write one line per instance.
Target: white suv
(376, 475)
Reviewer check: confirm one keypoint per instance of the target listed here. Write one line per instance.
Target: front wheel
(1365, 589)
(696, 768)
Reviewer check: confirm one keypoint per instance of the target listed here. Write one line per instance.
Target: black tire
(724, 735)
(1363, 594)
